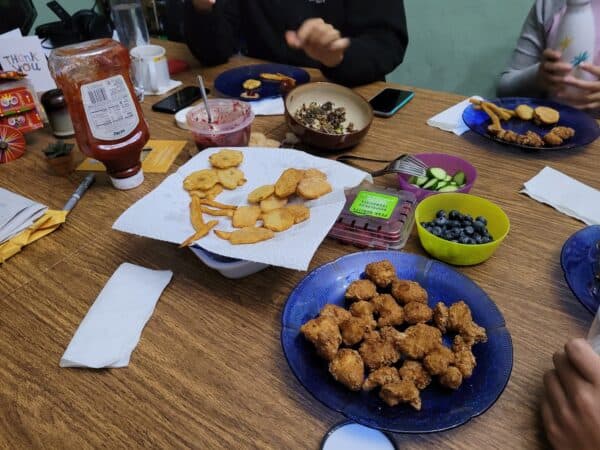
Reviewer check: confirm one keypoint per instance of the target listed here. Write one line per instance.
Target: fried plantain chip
(216, 212)
(314, 173)
(259, 194)
(312, 188)
(201, 179)
(209, 193)
(199, 233)
(231, 178)
(223, 234)
(248, 235)
(278, 220)
(245, 216)
(271, 203)
(226, 158)
(196, 214)
(288, 182)
(215, 204)
(300, 213)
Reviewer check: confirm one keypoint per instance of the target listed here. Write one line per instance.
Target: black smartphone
(387, 102)
(179, 100)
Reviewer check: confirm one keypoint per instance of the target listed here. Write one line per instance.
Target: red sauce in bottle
(107, 118)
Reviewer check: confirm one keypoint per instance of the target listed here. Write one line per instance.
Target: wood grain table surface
(209, 371)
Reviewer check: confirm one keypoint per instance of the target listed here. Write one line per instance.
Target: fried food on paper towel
(272, 202)
(201, 180)
(231, 178)
(278, 220)
(245, 216)
(313, 187)
(300, 213)
(247, 235)
(261, 193)
(288, 182)
(226, 158)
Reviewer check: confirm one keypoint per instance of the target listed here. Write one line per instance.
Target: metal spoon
(203, 92)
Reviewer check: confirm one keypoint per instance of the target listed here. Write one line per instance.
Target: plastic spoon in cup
(203, 92)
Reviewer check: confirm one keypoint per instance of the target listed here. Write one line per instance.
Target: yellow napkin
(157, 160)
(46, 224)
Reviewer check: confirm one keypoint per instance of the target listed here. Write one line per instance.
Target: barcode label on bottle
(109, 108)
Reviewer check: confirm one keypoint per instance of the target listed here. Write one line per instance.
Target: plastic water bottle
(128, 17)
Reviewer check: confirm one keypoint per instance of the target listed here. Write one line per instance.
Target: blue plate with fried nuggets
(420, 406)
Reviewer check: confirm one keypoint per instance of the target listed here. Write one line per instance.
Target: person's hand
(587, 94)
(320, 41)
(552, 71)
(203, 5)
(571, 403)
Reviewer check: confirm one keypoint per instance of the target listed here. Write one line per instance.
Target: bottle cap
(128, 183)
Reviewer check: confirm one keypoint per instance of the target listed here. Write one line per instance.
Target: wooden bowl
(358, 111)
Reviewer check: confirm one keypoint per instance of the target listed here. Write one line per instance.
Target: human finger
(591, 68)
(340, 44)
(328, 37)
(292, 39)
(586, 85)
(570, 379)
(551, 54)
(557, 67)
(581, 354)
(551, 426)
(554, 391)
(308, 28)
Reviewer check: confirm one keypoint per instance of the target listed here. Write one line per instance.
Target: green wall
(459, 45)
(45, 15)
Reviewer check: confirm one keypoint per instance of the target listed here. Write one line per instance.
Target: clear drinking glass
(128, 17)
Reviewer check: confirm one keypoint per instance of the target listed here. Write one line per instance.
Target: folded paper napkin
(17, 213)
(565, 194)
(268, 107)
(112, 327)
(451, 118)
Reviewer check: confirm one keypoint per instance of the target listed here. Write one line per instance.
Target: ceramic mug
(150, 68)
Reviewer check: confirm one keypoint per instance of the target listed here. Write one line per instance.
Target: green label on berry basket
(374, 204)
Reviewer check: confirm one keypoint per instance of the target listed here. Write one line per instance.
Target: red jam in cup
(230, 126)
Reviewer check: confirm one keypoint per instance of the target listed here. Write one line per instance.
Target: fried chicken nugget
(362, 308)
(415, 312)
(419, 340)
(474, 334)
(245, 216)
(403, 391)
(390, 312)
(382, 273)
(347, 367)
(336, 312)
(406, 291)
(379, 377)
(563, 132)
(288, 182)
(552, 139)
(437, 361)
(361, 290)
(452, 378)
(378, 350)
(415, 372)
(459, 344)
(324, 334)
(461, 321)
(354, 329)
(465, 361)
(440, 316)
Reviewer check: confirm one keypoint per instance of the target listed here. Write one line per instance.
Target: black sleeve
(214, 36)
(378, 41)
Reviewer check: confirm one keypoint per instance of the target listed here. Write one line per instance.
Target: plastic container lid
(128, 183)
(181, 119)
(375, 217)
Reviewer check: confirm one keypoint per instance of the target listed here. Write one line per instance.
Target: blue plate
(586, 128)
(230, 82)
(579, 259)
(442, 408)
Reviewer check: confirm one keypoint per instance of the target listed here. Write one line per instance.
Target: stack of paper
(17, 213)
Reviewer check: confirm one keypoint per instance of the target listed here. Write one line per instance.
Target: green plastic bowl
(453, 252)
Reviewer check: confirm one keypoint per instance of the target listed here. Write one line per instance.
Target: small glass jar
(107, 118)
(56, 109)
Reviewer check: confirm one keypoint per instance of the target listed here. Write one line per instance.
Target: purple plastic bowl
(449, 163)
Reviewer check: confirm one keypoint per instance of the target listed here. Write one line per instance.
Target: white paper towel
(565, 194)
(164, 213)
(451, 118)
(113, 325)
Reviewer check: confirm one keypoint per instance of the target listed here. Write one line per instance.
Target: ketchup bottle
(107, 118)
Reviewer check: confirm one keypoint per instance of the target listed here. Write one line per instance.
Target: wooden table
(209, 371)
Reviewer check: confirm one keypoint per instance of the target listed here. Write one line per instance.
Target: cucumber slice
(448, 189)
(437, 172)
(412, 180)
(460, 178)
(441, 184)
(448, 178)
(453, 183)
(430, 184)
(422, 180)
(415, 185)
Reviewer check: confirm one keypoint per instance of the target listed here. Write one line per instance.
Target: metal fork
(406, 163)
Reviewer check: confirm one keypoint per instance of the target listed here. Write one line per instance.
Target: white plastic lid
(181, 119)
(128, 183)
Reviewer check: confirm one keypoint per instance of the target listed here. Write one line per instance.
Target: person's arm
(378, 41)
(520, 78)
(212, 33)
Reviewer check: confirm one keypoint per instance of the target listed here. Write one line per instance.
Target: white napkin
(268, 107)
(172, 84)
(113, 325)
(565, 194)
(165, 213)
(17, 213)
(451, 118)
